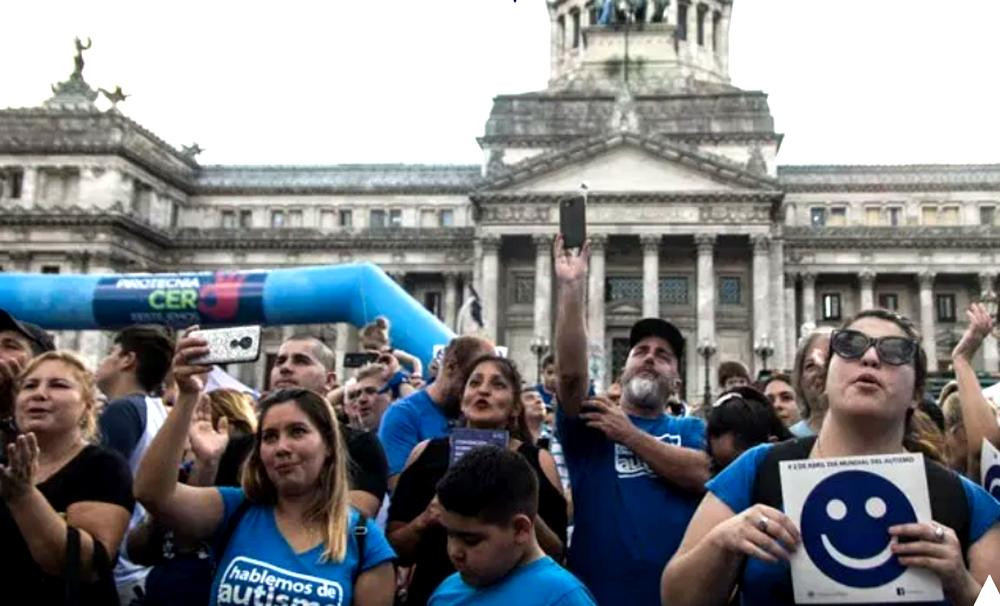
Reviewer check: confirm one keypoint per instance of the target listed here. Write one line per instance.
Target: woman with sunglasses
(739, 535)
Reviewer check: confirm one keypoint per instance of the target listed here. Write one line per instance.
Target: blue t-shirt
(766, 584)
(260, 567)
(408, 422)
(627, 520)
(540, 583)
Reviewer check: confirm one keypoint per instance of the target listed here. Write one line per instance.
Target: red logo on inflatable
(220, 301)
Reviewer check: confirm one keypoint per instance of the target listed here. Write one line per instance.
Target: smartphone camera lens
(246, 342)
(234, 344)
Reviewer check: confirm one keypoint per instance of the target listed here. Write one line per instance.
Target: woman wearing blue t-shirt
(289, 533)
(875, 377)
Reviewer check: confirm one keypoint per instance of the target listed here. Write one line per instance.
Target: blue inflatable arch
(355, 293)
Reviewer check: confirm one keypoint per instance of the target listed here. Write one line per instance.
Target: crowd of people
(136, 484)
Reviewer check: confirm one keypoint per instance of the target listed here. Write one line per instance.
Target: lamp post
(764, 349)
(539, 347)
(706, 349)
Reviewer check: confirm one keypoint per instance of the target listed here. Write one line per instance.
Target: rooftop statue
(78, 59)
(115, 97)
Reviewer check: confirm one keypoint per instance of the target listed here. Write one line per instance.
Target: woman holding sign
(491, 409)
(288, 535)
(741, 541)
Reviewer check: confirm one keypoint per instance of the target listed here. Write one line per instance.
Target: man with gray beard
(637, 473)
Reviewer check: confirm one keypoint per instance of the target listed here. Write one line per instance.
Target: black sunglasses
(852, 344)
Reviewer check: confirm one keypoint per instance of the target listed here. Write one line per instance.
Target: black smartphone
(358, 359)
(573, 221)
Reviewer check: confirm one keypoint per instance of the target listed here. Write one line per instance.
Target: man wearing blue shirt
(637, 473)
(426, 414)
(489, 504)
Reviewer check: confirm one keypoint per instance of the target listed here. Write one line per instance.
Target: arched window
(575, 16)
(682, 20)
(716, 24)
(561, 24)
(702, 10)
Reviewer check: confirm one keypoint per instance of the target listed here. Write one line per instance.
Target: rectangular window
(682, 20)
(838, 217)
(228, 219)
(702, 10)
(295, 218)
(817, 217)
(246, 219)
(622, 289)
(11, 183)
(929, 215)
(345, 219)
(889, 301)
(175, 213)
(432, 301)
(277, 219)
(377, 219)
(447, 218)
(674, 290)
(50, 269)
(327, 219)
(395, 218)
(895, 216)
(949, 215)
(945, 308)
(730, 290)
(831, 306)
(873, 216)
(987, 215)
(561, 22)
(575, 16)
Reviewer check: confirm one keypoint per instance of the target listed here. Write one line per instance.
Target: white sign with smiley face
(844, 508)
(990, 469)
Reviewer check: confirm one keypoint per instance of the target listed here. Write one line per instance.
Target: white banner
(989, 467)
(844, 509)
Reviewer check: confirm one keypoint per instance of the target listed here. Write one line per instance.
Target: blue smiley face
(845, 527)
(992, 481)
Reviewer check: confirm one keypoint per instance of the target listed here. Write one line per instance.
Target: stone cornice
(630, 197)
(339, 179)
(310, 239)
(74, 216)
(959, 237)
(900, 178)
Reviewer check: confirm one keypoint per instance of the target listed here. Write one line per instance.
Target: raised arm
(408, 359)
(196, 510)
(978, 416)
(571, 326)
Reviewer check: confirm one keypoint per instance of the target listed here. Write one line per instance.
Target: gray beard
(645, 393)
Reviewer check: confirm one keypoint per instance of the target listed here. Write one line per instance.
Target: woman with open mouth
(491, 401)
(740, 541)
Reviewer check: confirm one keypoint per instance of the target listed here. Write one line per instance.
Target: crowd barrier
(354, 293)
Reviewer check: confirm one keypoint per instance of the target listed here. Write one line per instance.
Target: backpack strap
(767, 482)
(104, 588)
(72, 570)
(360, 533)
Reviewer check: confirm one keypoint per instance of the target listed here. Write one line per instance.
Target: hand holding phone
(573, 220)
(227, 345)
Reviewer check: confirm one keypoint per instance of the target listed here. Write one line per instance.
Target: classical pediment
(628, 163)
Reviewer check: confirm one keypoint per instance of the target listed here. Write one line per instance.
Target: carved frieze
(735, 213)
(516, 213)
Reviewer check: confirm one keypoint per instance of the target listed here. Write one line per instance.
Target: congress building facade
(690, 215)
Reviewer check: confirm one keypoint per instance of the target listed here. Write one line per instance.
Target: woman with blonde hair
(290, 534)
(66, 502)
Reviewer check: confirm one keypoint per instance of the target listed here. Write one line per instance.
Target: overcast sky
(295, 82)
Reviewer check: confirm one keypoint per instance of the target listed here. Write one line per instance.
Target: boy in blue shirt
(489, 503)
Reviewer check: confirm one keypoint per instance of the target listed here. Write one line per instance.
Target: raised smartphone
(228, 345)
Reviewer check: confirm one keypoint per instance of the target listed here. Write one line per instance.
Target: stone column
(991, 356)
(650, 276)
(543, 285)
(727, 11)
(29, 184)
(777, 297)
(926, 280)
(761, 287)
(867, 279)
(808, 298)
(450, 298)
(595, 292)
(791, 324)
(490, 276)
(705, 243)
